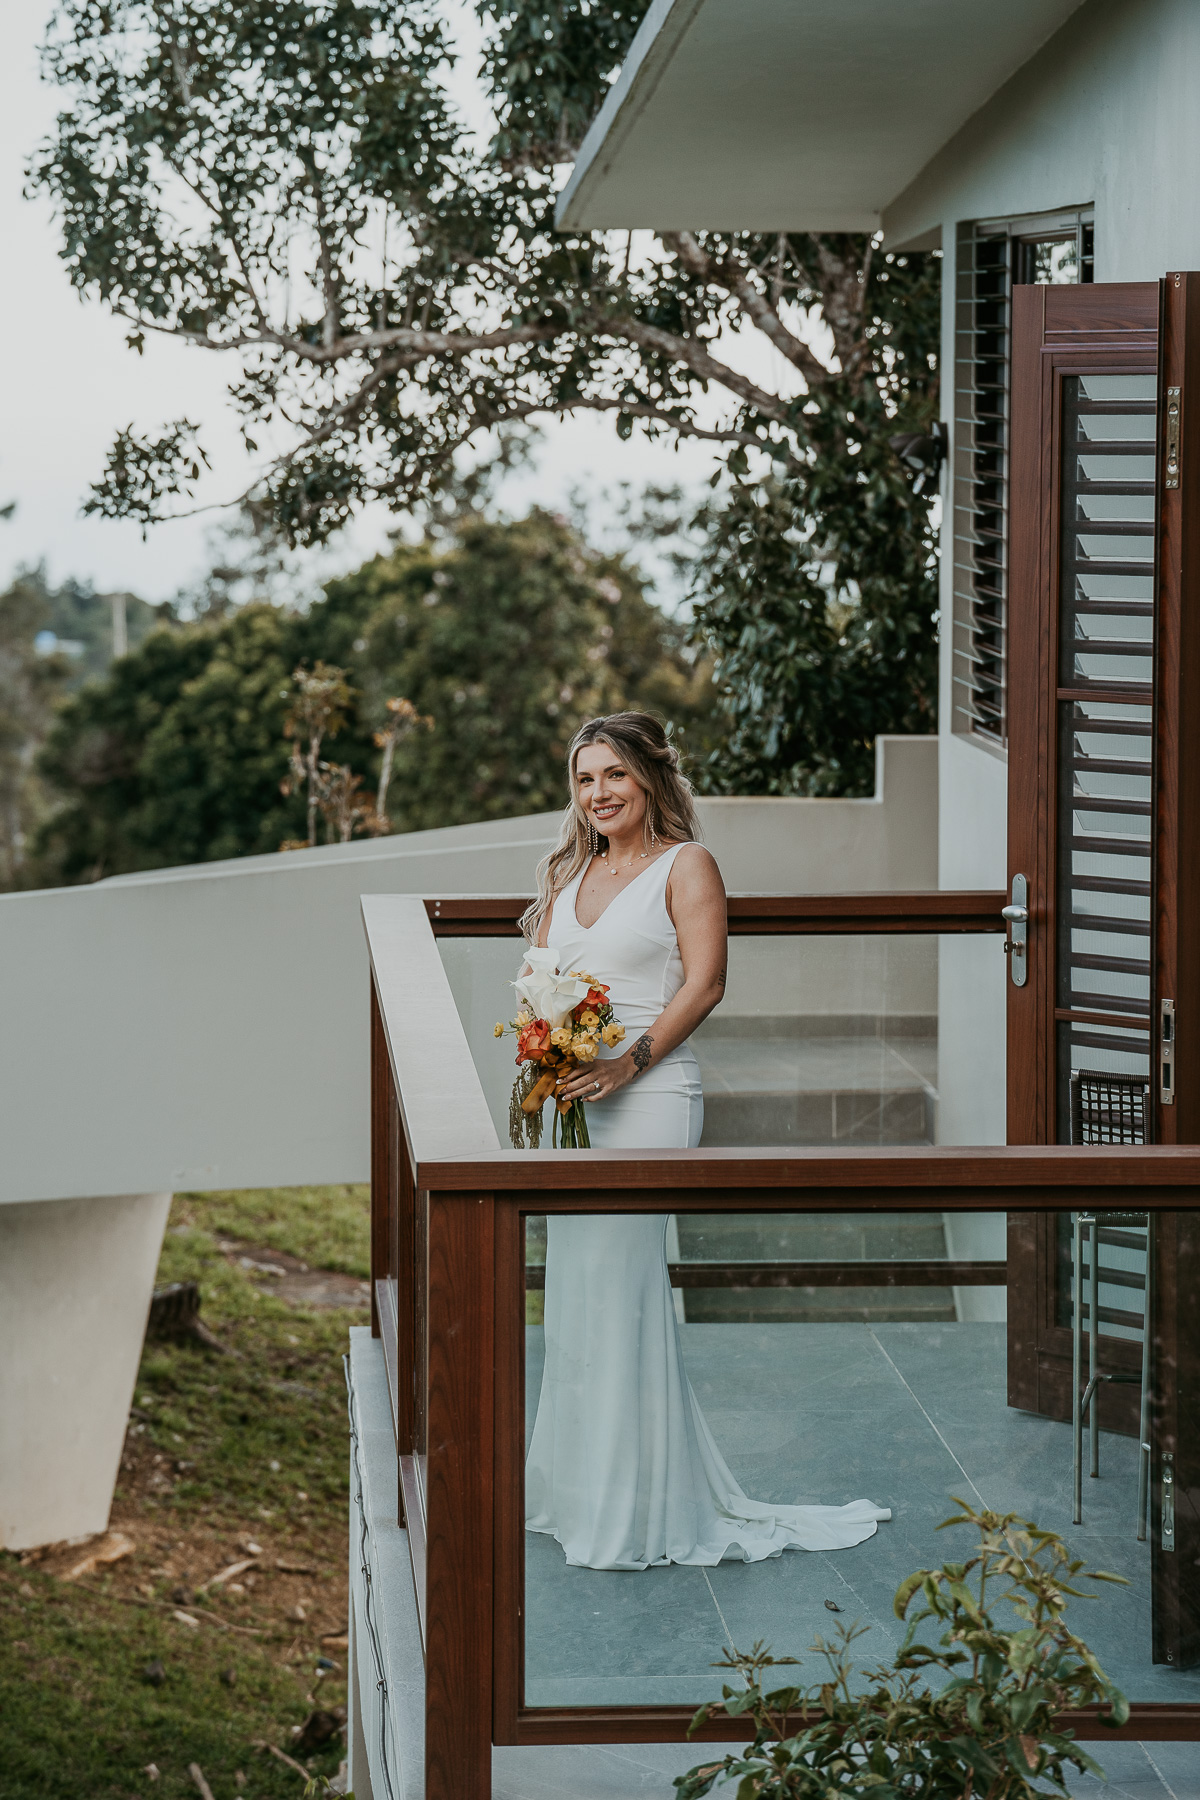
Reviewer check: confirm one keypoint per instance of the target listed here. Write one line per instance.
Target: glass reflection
(829, 1359)
(823, 1040)
(867, 1039)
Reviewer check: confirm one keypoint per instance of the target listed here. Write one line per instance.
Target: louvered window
(1105, 702)
(991, 257)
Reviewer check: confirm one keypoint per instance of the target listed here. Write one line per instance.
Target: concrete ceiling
(769, 115)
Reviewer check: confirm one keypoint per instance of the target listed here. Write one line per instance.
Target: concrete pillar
(75, 1283)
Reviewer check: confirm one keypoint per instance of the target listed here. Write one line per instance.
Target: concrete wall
(75, 1283)
(206, 1027)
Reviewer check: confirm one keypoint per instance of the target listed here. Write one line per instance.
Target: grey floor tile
(910, 1416)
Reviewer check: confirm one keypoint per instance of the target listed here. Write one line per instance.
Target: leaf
(906, 1590)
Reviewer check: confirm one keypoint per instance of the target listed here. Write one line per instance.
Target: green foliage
(179, 755)
(289, 186)
(33, 680)
(509, 639)
(989, 1727)
(548, 68)
(818, 596)
(29, 686)
(506, 635)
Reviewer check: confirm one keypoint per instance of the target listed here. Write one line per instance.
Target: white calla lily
(552, 996)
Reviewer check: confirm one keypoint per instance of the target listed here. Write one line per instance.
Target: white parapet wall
(207, 1027)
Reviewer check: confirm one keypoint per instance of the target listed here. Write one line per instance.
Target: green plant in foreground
(988, 1733)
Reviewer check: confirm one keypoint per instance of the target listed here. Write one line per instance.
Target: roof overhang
(799, 115)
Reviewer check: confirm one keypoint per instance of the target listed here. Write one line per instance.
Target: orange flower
(596, 995)
(533, 1042)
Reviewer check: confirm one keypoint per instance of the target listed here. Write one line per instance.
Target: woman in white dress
(622, 1469)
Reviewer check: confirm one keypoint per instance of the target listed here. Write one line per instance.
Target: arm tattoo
(642, 1051)
(721, 981)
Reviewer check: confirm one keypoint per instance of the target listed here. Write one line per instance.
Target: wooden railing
(449, 1278)
(909, 914)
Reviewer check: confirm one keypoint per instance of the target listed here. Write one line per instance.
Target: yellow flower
(584, 1049)
(612, 1034)
(499, 1031)
(561, 1038)
(588, 1019)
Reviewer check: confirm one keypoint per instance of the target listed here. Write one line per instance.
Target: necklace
(613, 869)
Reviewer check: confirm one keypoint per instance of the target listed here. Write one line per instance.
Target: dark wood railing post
(459, 1481)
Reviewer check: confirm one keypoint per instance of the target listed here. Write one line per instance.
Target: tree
(30, 683)
(503, 634)
(286, 186)
(318, 710)
(509, 636)
(178, 756)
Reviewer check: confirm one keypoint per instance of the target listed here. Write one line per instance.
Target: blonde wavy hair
(638, 740)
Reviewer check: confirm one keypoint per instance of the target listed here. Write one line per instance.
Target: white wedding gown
(622, 1468)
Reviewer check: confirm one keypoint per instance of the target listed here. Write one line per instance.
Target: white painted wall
(206, 1027)
(1104, 113)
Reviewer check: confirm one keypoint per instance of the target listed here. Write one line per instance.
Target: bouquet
(560, 1025)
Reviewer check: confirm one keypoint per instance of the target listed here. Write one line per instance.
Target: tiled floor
(583, 1771)
(908, 1415)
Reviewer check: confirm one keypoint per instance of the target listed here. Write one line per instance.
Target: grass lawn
(111, 1685)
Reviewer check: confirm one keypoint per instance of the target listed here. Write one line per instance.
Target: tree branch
(398, 337)
(693, 355)
(737, 283)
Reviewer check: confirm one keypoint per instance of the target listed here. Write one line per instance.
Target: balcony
(859, 1298)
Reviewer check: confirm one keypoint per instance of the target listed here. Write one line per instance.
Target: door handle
(1016, 944)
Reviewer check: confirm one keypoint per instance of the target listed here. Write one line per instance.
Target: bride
(622, 1469)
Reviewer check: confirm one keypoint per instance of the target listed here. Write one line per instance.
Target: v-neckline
(579, 883)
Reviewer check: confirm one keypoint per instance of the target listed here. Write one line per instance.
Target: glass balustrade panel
(715, 1425)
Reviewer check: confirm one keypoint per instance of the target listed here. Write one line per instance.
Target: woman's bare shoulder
(695, 856)
(695, 870)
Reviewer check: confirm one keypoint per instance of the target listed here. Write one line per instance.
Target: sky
(69, 382)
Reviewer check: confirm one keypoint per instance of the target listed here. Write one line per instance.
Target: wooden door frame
(1177, 712)
(1176, 954)
(1056, 331)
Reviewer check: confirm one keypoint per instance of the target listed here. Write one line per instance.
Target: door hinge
(1166, 1053)
(1174, 404)
(1016, 944)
